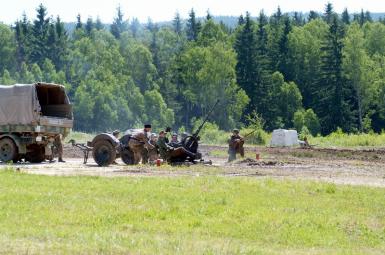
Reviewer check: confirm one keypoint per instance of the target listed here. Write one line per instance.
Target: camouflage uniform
(234, 139)
(59, 146)
(163, 147)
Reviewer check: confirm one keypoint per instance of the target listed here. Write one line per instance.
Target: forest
(320, 73)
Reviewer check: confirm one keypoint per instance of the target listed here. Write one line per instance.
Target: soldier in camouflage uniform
(235, 145)
(59, 146)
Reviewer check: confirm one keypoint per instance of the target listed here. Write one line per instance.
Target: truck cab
(32, 116)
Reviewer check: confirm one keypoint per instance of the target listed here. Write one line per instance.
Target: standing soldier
(116, 135)
(59, 146)
(145, 153)
(235, 145)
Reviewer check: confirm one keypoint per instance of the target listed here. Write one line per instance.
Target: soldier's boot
(61, 160)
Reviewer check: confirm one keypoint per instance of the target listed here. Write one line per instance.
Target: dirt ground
(340, 166)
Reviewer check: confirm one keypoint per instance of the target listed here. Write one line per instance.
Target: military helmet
(236, 131)
(115, 132)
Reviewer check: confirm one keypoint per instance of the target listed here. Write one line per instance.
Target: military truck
(31, 117)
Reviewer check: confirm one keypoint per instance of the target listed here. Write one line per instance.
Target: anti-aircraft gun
(191, 143)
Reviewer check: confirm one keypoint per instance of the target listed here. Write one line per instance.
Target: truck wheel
(104, 153)
(8, 150)
(127, 157)
(36, 153)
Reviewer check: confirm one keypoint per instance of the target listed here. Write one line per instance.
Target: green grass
(195, 215)
(339, 139)
(80, 137)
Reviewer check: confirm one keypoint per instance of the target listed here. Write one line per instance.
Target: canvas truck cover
(19, 104)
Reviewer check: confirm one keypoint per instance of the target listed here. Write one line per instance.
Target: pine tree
(154, 47)
(23, 30)
(368, 17)
(283, 61)
(79, 24)
(98, 24)
(332, 107)
(61, 44)
(241, 20)
(329, 13)
(150, 25)
(208, 16)
(89, 25)
(277, 16)
(346, 17)
(40, 32)
(51, 41)
(134, 27)
(298, 19)
(262, 89)
(193, 27)
(118, 25)
(362, 19)
(177, 24)
(246, 48)
(312, 15)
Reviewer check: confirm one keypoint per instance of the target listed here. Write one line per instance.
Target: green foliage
(306, 119)
(7, 48)
(156, 110)
(210, 133)
(126, 74)
(340, 139)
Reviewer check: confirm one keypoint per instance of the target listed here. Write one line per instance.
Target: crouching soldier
(235, 145)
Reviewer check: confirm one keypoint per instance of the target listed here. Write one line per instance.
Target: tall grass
(339, 139)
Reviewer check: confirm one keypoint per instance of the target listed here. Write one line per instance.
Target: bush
(259, 137)
(210, 133)
(307, 119)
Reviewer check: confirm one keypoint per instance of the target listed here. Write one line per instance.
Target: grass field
(195, 215)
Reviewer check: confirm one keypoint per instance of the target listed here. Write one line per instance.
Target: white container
(284, 138)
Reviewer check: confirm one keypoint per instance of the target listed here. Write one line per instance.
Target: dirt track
(355, 167)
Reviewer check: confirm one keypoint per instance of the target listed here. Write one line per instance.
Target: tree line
(316, 73)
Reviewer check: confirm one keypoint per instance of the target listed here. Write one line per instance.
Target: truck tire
(127, 157)
(104, 153)
(36, 153)
(8, 150)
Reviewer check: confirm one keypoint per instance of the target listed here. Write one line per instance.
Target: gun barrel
(195, 134)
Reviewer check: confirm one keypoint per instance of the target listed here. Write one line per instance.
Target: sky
(164, 10)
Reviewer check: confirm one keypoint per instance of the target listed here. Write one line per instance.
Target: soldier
(59, 146)
(116, 134)
(235, 145)
(153, 153)
(145, 154)
(174, 141)
(168, 152)
(163, 146)
(147, 130)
